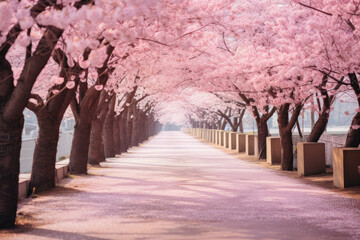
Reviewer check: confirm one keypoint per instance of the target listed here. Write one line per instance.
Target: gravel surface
(175, 187)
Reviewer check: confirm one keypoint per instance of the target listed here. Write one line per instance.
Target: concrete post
(240, 142)
(221, 138)
(346, 167)
(232, 144)
(256, 146)
(249, 144)
(226, 139)
(310, 158)
(216, 137)
(273, 150)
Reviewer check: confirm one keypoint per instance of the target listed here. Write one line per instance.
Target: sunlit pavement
(175, 187)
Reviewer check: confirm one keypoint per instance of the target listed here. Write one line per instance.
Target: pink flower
(99, 87)
(82, 75)
(70, 84)
(355, 127)
(93, 75)
(23, 39)
(346, 113)
(57, 80)
(84, 64)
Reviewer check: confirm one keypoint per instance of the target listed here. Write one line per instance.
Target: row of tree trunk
(287, 115)
(96, 137)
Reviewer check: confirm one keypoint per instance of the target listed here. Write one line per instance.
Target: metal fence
(28, 146)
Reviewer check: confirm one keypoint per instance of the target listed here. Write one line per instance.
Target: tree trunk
(285, 130)
(108, 134)
(286, 150)
(129, 124)
(285, 138)
(116, 132)
(96, 146)
(353, 136)
(44, 160)
(319, 127)
(135, 138)
(146, 128)
(10, 146)
(143, 124)
(123, 130)
(223, 125)
(80, 147)
(263, 132)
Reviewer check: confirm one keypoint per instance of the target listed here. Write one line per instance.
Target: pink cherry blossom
(70, 84)
(57, 80)
(99, 87)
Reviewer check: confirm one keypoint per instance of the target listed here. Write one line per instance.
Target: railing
(28, 146)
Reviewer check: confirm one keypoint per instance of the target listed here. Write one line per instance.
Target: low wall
(331, 141)
(61, 171)
(28, 145)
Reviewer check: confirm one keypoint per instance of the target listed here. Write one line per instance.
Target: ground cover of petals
(176, 187)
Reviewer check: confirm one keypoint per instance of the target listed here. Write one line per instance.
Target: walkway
(175, 187)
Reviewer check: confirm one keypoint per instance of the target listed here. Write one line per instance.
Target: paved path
(175, 187)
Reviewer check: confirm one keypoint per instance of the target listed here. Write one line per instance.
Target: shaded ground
(175, 187)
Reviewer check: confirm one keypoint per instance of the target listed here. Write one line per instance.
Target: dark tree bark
(121, 121)
(285, 130)
(108, 133)
(261, 122)
(10, 145)
(84, 112)
(49, 116)
(135, 138)
(129, 124)
(80, 145)
(44, 159)
(12, 103)
(321, 123)
(117, 140)
(13, 100)
(96, 146)
(263, 133)
(263, 130)
(353, 136)
(123, 130)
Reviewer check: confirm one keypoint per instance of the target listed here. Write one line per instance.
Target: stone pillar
(240, 142)
(249, 148)
(226, 139)
(221, 137)
(346, 167)
(232, 144)
(310, 158)
(256, 146)
(273, 150)
(217, 138)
